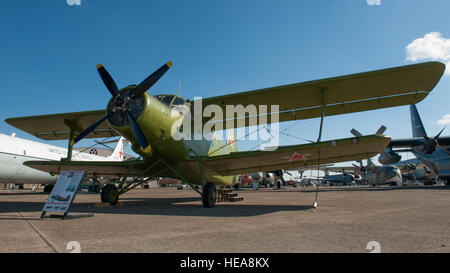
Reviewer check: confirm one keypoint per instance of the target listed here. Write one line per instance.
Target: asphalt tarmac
(348, 219)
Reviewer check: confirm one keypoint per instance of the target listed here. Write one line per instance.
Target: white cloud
(74, 2)
(373, 2)
(444, 120)
(430, 47)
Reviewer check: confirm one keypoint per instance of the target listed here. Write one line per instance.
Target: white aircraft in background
(15, 151)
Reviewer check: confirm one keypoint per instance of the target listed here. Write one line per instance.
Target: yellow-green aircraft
(146, 121)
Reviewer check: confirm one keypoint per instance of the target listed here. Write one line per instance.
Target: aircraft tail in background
(117, 154)
(218, 147)
(416, 123)
(231, 141)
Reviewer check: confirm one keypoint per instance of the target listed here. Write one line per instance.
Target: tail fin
(231, 141)
(117, 154)
(416, 123)
(217, 146)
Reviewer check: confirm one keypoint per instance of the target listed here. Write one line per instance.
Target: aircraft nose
(394, 177)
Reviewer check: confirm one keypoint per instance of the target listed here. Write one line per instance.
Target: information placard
(64, 191)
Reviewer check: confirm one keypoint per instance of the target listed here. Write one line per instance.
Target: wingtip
(99, 65)
(169, 64)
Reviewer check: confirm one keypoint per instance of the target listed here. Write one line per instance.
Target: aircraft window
(178, 101)
(160, 97)
(167, 100)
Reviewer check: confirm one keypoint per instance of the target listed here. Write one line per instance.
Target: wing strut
(73, 128)
(324, 95)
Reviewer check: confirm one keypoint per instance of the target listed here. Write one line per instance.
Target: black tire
(236, 186)
(209, 195)
(108, 194)
(48, 188)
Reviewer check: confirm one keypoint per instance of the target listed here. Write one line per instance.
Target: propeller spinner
(124, 106)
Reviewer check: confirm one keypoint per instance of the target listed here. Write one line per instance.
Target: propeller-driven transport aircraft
(147, 122)
(370, 174)
(431, 151)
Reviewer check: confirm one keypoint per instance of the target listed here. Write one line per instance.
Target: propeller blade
(381, 130)
(438, 135)
(355, 133)
(137, 132)
(108, 80)
(151, 80)
(88, 130)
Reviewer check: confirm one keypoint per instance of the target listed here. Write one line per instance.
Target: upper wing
(56, 126)
(340, 95)
(289, 157)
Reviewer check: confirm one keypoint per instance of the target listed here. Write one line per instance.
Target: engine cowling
(389, 157)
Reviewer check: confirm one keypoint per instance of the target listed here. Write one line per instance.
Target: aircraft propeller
(433, 143)
(362, 169)
(120, 102)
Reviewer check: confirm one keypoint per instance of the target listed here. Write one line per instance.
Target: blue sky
(49, 50)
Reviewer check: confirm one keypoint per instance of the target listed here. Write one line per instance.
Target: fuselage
(157, 116)
(15, 151)
(414, 169)
(379, 175)
(339, 178)
(438, 162)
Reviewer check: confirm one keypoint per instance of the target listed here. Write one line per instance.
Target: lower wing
(304, 155)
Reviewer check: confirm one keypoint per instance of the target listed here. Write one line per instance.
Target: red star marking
(296, 156)
(231, 140)
(120, 153)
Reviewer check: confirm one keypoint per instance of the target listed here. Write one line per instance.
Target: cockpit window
(170, 100)
(159, 97)
(167, 99)
(178, 101)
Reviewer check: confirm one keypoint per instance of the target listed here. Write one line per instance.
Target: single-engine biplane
(146, 121)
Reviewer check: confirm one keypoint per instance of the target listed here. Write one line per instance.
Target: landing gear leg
(109, 194)
(209, 195)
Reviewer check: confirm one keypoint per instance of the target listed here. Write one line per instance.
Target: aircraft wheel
(209, 195)
(48, 188)
(236, 186)
(109, 194)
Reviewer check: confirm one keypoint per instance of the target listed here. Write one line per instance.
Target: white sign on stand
(63, 192)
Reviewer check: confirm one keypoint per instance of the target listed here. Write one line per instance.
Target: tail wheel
(109, 194)
(209, 195)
